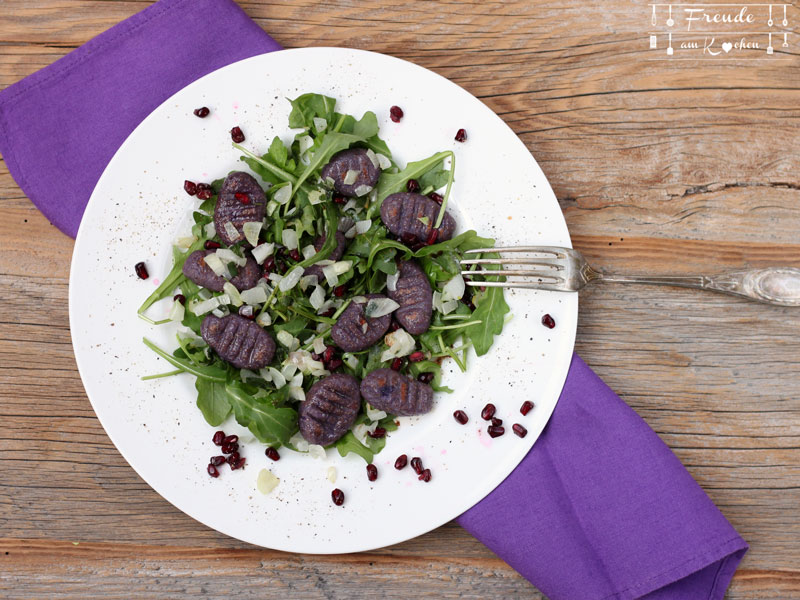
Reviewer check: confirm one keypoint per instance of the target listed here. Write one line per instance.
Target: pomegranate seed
(212, 245)
(526, 407)
(461, 417)
(247, 312)
(394, 326)
(272, 453)
(412, 185)
(548, 321)
(401, 462)
(212, 470)
(329, 313)
(180, 298)
(237, 135)
(425, 377)
(334, 364)
(231, 439)
(201, 112)
(396, 113)
(229, 448)
(519, 430)
(488, 412)
(416, 464)
(295, 255)
(243, 198)
(340, 200)
(328, 354)
(205, 194)
(438, 198)
(190, 187)
(372, 472)
(398, 363)
(238, 464)
(416, 356)
(141, 270)
(269, 264)
(379, 433)
(232, 458)
(461, 135)
(217, 460)
(425, 476)
(497, 422)
(339, 290)
(218, 437)
(432, 237)
(204, 186)
(337, 496)
(496, 431)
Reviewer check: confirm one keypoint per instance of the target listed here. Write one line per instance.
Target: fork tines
(546, 266)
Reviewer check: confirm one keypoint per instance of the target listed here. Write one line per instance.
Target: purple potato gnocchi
(238, 211)
(196, 270)
(353, 331)
(396, 393)
(330, 409)
(353, 159)
(239, 341)
(411, 218)
(414, 295)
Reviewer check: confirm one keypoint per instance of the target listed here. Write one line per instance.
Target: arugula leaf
(212, 373)
(349, 443)
(391, 183)
(269, 424)
(308, 106)
(212, 400)
(367, 126)
(491, 311)
(277, 152)
(469, 240)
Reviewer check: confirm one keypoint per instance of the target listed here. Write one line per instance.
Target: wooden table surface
(659, 166)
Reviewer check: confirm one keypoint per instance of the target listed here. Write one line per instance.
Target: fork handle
(775, 285)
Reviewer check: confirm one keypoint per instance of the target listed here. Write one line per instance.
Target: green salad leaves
(299, 310)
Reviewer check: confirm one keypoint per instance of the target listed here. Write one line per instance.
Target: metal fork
(566, 270)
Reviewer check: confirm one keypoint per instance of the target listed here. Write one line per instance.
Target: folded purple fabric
(600, 507)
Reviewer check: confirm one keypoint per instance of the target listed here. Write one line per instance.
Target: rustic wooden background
(659, 166)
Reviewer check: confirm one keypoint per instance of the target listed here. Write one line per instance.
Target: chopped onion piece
(350, 360)
(453, 289)
(359, 299)
(375, 415)
(372, 158)
(350, 205)
(251, 230)
(283, 194)
(400, 343)
(363, 226)
(316, 197)
(205, 306)
(216, 265)
(264, 319)
(378, 307)
(317, 451)
(266, 481)
(292, 278)
(325, 306)
(229, 256)
(350, 233)
(288, 340)
(449, 306)
(306, 281)
(329, 181)
(360, 431)
(255, 295)
(363, 190)
(391, 281)
(246, 374)
(350, 177)
(289, 239)
(331, 474)
(218, 312)
(176, 313)
(342, 266)
(298, 442)
(309, 251)
(248, 310)
(320, 124)
(305, 142)
(319, 345)
(233, 293)
(278, 380)
(384, 162)
(232, 232)
(297, 393)
(272, 206)
(210, 230)
(330, 275)
(275, 277)
(317, 298)
(185, 242)
(288, 370)
(262, 251)
(297, 380)
(364, 327)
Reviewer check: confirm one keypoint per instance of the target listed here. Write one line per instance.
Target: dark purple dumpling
(336, 254)
(330, 409)
(354, 332)
(239, 341)
(196, 270)
(397, 394)
(401, 213)
(238, 211)
(414, 295)
(354, 159)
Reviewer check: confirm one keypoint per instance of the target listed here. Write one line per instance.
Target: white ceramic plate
(139, 208)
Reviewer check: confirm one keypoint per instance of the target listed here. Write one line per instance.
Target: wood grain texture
(658, 166)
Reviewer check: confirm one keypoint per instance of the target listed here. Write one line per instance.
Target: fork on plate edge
(566, 270)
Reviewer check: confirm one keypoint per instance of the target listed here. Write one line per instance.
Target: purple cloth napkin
(600, 508)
